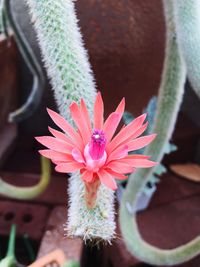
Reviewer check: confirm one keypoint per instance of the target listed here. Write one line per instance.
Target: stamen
(97, 144)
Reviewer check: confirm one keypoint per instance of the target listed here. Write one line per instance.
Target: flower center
(97, 145)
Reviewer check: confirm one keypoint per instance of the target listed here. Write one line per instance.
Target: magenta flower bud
(97, 144)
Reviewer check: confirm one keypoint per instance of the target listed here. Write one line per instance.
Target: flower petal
(111, 130)
(76, 154)
(107, 179)
(140, 142)
(126, 132)
(120, 108)
(55, 156)
(138, 132)
(80, 122)
(120, 167)
(137, 156)
(66, 127)
(118, 153)
(116, 175)
(68, 167)
(85, 115)
(60, 135)
(139, 163)
(98, 112)
(54, 144)
(111, 124)
(87, 176)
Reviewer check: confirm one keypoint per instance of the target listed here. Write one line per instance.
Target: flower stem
(91, 190)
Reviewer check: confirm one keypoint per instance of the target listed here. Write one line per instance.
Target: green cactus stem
(68, 68)
(170, 95)
(31, 192)
(187, 21)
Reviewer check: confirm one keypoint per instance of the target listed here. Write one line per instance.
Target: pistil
(97, 145)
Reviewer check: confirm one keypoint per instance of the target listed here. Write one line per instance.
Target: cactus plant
(170, 95)
(67, 65)
(187, 21)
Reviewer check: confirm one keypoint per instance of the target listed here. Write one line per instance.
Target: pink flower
(94, 150)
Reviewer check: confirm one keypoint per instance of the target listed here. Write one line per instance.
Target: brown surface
(54, 236)
(8, 136)
(125, 40)
(172, 219)
(8, 78)
(29, 218)
(173, 188)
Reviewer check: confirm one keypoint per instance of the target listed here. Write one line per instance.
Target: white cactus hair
(63, 52)
(68, 68)
(94, 224)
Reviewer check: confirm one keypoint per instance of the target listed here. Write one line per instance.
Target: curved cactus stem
(28, 192)
(34, 98)
(170, 95)
(187, 21)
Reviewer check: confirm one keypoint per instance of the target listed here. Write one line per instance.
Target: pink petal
(80, 122)
(107, 179)
(68, 167)
(66, 127)
(55, 156)
(111, 124)
(85, 114)
(87, 176)
(60, 135)
(121, 106)
(56, 162)
(126, 132)
(118, 153)
(137, 156)
(120, 167)
(139, 163)
(116, 175)
(98, 112)
(139, 131)
(54, 144)
(140, 142)
(77, 155)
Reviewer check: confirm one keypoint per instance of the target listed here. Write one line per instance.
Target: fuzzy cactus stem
(170, 95)
(187, 22)
(68, 68)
